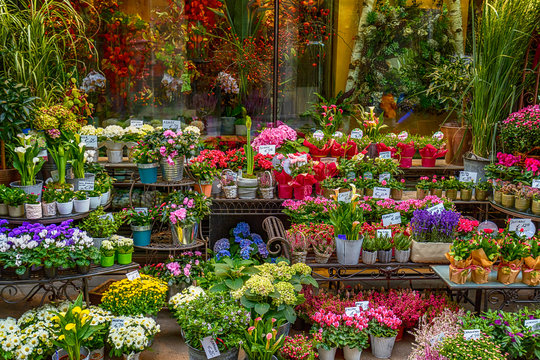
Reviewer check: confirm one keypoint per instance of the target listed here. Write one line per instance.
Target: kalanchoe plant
(484, 185)
(487, 240)
(461, 249)
(80, 195)
(145, 153)
(31, 199)
(14, 197)
(513, 248)
(49, 195)
(65, 196)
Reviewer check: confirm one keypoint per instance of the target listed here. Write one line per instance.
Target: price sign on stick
(384, 176)
(117, 323)
(381, 193)
(364, 305)
(391, 219)
(267, 149)
(90, 141)
(210, 347)
(345, 197)
(356, 134)
(368, 175)
(384, 233)
(473, 334)
(385, 155)
(107, 216)
(143, 210)
(171, 124)
(351, 311)
(536, 183)
(133, 275)
(136, 123)
(86, 185)
(436, 209)
(534, 324)
(468, 176)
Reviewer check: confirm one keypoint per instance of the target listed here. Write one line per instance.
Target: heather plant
(457, 348)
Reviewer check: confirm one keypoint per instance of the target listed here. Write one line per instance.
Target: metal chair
(277, 243)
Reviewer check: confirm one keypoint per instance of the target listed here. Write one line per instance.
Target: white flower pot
(381, 347)
(115, 156)
(352, 354)
(95, 201)
(327, 354)
(49, 209)
(33, 211)
(81, 206)
(402, 256)
(105, 198)
(65, 208)
(98, 354)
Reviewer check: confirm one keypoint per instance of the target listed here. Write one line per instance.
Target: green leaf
(290, 314)
(219, 287)
(247, 303)
(234, 284)
(262, 309)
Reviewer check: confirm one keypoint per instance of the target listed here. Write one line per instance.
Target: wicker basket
(298, 257)
(228, 180)
(321, 258)
(267, 193)
(231, 192)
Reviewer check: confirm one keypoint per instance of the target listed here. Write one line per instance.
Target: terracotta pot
(397, 194)
(451, 194)
(508, 200)
(437, 192)
(535, 207)
(205, 189)
(522, 204)
(458, 142)
(466, 194)
(497, 196)
(420, 194)
(481, 195)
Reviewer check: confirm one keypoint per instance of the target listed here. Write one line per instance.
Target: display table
(496, 294)
(513, 213)
(57, 288)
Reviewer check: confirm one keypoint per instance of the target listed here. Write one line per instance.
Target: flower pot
(62, 354)
(369, 192)
(50, 272)
(397, 194)
(184, 235)
(98, 354)
(231, 192)
(431, 253)
(497, 196)
(301, 192)
(115, 156)
(104, 199)
(267, 193)
(508, 200)
(95, 201)
(321, 258)
(83, 269)
(33, 211)
(327, 354)
(35, 189)
(475, 164)
(125, 259)
(148, 173)
(227, 125)
(438, 193)
(381, 347)
(285, 191)
(458, 142)
(348, 251)
(522, 204)
(131, 356)
(465, 194)
(241, 130)
(65, 208)
(402, 256)
(247, 188)
(385, 256)
(420, 194)
(352, 354)
(195, 354)
(212, 126)
(81, 206)
(76, 181)
(107, 261)
(216, 186)
(172, 172)
(4, 210)
(451, 194)
(428, 161)
(535, 207)
(48, 209)
(16, 211)
(480, 195)
(369, 257)
(141, 235)
(205, 189)
(298, 257)
(405, 162)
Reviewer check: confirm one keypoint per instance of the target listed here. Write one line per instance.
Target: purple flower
(221, 244)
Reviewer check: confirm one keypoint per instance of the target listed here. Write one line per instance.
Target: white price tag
(357, 134)
(171, 124)
(136, 123)
(385, 155)
(391, 219)
(132, 275)
(328, 160)
(344, 197)
(337, 134)
(368, 175)
(210, 347)
(436, 209)
(384, 176)
(381, 193)
(526, 224)
(107, 216)
(42, 154)
(90, 141)
(473, 334)
(143, 210)
(384, 233)
(117, 323)
(351, 311)
(536, 183)
(437, 339)
(534, 324)
(267, 149)
(86, 185)
(468, 176)
(364, 305)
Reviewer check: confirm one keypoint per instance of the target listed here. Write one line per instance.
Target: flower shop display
(147, 159)
(25, 152)
(141, 221)
(262, 340)
(123, 247)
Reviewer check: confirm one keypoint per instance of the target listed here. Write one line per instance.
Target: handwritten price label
(436, 209)
(364, 305)
(133, 275)
(210, 347)
(171, 124)
(385, 155)
(117, 323)
(345, 197)
(437, 339)
(381, 193)
(136, 123)
(473, 334)
(384, 176)
(536, 183)
(143, 210)
(90, 141)
(351, 311)
(357, 134)
(468, 176)
(391, 219)
(86, 185)
(107, 216)
(319, 135)
(368, 175)
(534, 324)
(267, 149)
(516, 225)
(384, 233)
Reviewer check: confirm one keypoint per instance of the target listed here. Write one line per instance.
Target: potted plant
(147, 159)
(369, 249)
(383, 329)
(84, 253)
(531, 264)
(508, 197)
(81, 202)
(298, 347)
(431, 148)
(101, 226)
(132, 337)
(54, 256)
(384, 248)
(111, 137)
(3, 206)
(64, 202)
(25, 156)
(452, 186)
(513, 249)
(261, 340)
(355, 337)
(484, 254)
(497, 193)
(247, 182)
(482, 190)
(124, 249)
(535, 205)
(523, 198)
(228, 320)
(422, 188)
(322, 241)
(77, 160)
(266, 185)
(397, 188)
(73, 328)
(466, 191)
(460, 257)
(104, 184)
(107, 250)
(95, 199)
(173, 148)
(15, 198)
(32, 207)
(204, 174)
(346, 218)
(48, 201)
(402, 246)
(141, 224)
(328, 336)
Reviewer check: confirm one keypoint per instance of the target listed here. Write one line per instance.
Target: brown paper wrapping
(508, 271)
(458, 270)
(531, 271)
(481, 266)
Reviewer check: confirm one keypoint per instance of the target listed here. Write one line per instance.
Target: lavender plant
(434, 226)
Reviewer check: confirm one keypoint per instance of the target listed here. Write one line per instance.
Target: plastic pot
(33, 211)
(205, 189)
(148, 173)
(141, 235)
(382, 347)
(369, 257)
(95, 201)
(403, 256)
(16, 211)
(348, 251)
(107, 261)
(125, 259)
(65, 208)
(327, 354)
(105, 197)
(81, 206)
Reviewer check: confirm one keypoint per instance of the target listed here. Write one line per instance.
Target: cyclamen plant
(383, 322)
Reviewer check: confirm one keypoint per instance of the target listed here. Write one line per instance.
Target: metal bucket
(348, 251)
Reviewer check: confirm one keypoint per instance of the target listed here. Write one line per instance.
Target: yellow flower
(85, 312)
(70, 326)
(61, 337)
(76, 310)
(55, 318)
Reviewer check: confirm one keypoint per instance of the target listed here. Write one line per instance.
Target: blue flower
(221, 244)
(241, 228)
(263, 251)
(245, 253)
(222, 254)
(257, 239)
(245, 243)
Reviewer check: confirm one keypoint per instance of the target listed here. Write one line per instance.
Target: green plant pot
(125, 259)
(466, 194)
(481, 195)
(107, 261)
(451, 194)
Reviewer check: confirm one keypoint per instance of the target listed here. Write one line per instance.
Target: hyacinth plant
(242, 244)
(434, 226)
